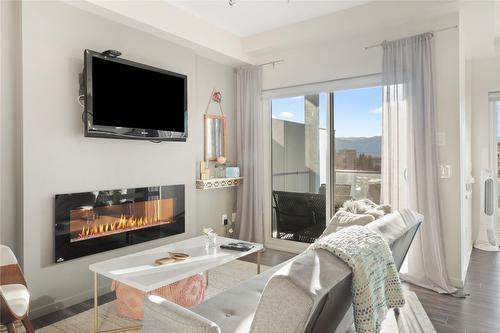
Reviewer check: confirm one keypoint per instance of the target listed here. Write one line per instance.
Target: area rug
(412, 318)
(221, 278)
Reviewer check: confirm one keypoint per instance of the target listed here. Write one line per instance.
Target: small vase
(210, 240)
(220, 172)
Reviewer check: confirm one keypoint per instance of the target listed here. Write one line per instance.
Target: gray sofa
(308, 293)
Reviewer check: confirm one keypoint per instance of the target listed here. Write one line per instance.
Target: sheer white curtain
(410, 164)
(250, 143)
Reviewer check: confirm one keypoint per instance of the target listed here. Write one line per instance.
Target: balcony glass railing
(363, 183)
(300, 215)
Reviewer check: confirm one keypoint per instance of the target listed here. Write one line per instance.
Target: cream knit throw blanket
(375, 284)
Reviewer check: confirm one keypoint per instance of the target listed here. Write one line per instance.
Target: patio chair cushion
(17, 297)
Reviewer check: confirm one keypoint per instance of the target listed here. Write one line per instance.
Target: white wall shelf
(215, 183)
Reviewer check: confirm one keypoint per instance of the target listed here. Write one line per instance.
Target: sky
(357, 112)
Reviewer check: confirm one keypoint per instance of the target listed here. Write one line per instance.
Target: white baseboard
(457, 283)
(68, 301)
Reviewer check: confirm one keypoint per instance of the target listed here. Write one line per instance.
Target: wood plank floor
(478, 313)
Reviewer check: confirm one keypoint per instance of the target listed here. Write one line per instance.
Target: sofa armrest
(283, 307)
(161, 315)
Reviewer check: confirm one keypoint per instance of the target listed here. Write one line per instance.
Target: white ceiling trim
(362, 19)
(173, 24)
(249, 17)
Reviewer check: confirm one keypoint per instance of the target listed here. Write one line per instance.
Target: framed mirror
(215, 137)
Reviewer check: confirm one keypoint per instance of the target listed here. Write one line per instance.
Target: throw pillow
(344, 219)
(366, 206)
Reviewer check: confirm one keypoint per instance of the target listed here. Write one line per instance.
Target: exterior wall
(289, 152)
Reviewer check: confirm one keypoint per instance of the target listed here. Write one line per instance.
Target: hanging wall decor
(215, 129)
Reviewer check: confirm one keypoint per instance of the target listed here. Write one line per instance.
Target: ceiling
(249, 17)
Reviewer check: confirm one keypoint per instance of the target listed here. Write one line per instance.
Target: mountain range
(367, 145)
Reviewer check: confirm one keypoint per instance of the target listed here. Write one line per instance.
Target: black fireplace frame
(66, 250)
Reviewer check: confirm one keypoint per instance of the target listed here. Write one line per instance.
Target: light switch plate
(444, 171)
(441, 138)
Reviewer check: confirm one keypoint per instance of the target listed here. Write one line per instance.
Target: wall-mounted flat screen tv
(128, 100)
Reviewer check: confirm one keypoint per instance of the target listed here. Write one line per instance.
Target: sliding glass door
(326, 149)
(299, 165)
(358, 144)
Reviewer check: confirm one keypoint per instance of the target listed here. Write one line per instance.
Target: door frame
(493, 99)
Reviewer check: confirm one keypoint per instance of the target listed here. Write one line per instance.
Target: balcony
(362, 184)
(300, 215)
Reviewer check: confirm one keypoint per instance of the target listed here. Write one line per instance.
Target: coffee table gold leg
(96, 315)
(259, 253)
(96, 305)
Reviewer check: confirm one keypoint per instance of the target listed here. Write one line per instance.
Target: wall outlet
(224, 219)
(233, 217)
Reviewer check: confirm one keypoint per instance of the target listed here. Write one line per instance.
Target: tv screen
(125, 99)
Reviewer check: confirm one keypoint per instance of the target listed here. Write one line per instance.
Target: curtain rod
(321, 82)
(432, 31)
(274, 62)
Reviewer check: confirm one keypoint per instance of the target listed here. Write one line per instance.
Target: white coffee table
(139, 270)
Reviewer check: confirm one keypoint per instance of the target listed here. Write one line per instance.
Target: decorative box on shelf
(209, 184)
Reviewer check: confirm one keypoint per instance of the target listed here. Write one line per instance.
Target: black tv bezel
(100, 131)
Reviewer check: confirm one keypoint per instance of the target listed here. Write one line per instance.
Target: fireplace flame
(122, 223)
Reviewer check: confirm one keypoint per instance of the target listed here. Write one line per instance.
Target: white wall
(213, 203)
(10, 145)
(57, 158)
(341, 58)
(485, 77)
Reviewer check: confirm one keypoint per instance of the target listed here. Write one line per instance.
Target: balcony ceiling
(249, 17)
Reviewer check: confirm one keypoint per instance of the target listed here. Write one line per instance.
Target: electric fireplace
(92, 222)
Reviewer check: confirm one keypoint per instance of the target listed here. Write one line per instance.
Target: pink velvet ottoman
(187, 293)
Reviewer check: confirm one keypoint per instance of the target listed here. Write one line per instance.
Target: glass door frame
(328, 87)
